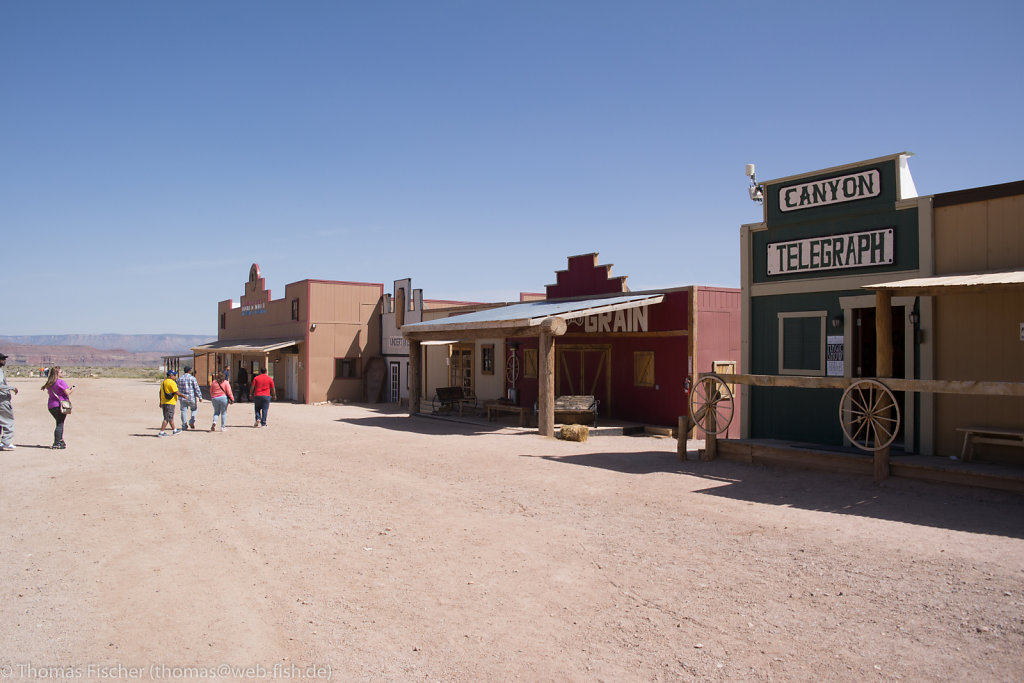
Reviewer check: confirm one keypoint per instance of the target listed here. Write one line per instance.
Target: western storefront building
(635, 352)
(467, 364)
(318, 341)
(825, 236)
(404, 305)
(852, 275)
(474, 365)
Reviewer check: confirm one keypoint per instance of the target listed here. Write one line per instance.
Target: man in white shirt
(6, 411)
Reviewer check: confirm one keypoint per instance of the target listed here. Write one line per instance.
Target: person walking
(243, 384)
(220, 396)
(58, 392)
(189, 397)
(6, 410)
(168, 403)
(262, 393)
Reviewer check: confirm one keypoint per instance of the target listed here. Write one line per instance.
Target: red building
(636, 361)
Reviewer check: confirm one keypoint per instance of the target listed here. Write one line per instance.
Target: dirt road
(381, 547)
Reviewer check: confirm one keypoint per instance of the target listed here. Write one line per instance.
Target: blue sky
(152, 151)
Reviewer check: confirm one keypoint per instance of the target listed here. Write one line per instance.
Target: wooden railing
(935, 386)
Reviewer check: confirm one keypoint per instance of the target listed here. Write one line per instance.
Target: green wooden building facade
(825, 235)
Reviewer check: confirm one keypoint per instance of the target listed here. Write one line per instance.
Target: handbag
(65, 407)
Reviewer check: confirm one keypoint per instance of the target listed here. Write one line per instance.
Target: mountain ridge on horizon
(135, 343)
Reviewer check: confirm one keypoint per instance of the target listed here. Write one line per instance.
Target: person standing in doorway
(168, 403)
(262, 393)
(6, 411)
(189, 397)
(220, 396)
(243, 384)
(58, 391)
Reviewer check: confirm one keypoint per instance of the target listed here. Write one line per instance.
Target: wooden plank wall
(977, 336)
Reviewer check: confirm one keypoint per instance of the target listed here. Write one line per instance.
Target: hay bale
(575, 433)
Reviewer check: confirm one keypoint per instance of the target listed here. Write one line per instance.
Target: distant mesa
(114, 350)
(136, 343)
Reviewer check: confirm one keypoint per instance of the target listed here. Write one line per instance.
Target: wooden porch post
(414, 376)
(546, 393)
(549, 329)
(883, 364)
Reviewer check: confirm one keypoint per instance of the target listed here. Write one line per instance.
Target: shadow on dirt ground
(400, 422)
(980, 511)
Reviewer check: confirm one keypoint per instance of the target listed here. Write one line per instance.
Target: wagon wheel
(869, 415)
(711, 396)
(437, 405)
(512, 369)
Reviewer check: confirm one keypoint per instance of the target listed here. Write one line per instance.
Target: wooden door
(395, 386)
(460, 369)
(864, 350)
(584, 370)
(291, 377)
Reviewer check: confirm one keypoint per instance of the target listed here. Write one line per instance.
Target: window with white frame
(802, 343)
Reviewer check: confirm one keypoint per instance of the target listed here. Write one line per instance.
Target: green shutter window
(802, 343)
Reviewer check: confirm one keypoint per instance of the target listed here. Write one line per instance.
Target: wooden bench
(992, 435)
(496, 408)
(451, 398)
(572, 409)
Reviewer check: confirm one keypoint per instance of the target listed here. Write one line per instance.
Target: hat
(172, 372)
(188, 368)
(3, 356)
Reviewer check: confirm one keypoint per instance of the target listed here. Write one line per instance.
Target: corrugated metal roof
(246, 345)
(533, 313)
(962, 282)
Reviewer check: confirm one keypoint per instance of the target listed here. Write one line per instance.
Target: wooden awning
(253, 346)
(958, 283)
(521, 320)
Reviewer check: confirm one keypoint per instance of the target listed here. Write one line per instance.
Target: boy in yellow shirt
(168, 402)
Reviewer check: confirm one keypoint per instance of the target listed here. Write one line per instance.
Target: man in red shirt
(262, 393)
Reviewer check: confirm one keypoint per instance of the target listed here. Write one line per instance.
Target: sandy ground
(381, 547)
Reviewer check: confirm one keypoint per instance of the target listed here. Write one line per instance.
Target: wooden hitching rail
(935, 386)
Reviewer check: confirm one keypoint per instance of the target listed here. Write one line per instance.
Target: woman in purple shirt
(58, 391)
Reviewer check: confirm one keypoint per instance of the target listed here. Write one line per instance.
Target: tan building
(475, 365)
(320, 342)
(975, 300)
(471, 365)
